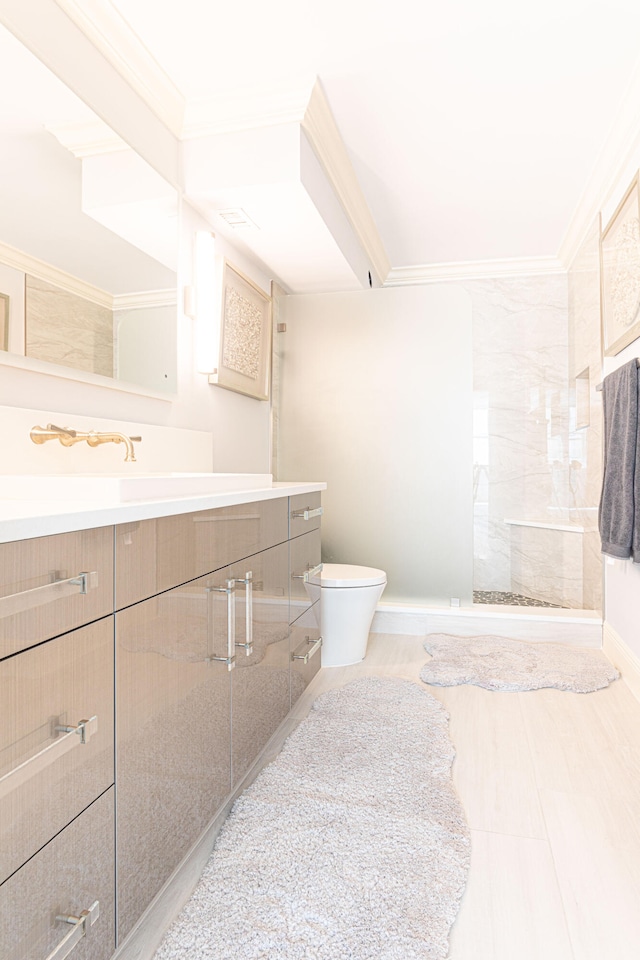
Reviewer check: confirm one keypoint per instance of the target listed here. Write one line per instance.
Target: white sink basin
(125, 487)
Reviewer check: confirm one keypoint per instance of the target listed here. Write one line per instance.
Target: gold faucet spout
(94, 438)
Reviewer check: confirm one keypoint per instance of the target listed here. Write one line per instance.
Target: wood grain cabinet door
(172, 736)
(305, 513)
(305, 650)
(260, 681)
(304, 559)
(50, 585)
(73, 873)
(157, 555)
(56, 737)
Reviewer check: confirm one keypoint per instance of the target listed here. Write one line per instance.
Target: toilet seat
(347, 575)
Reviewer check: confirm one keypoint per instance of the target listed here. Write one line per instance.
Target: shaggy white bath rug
(351, 845)
(496, 663)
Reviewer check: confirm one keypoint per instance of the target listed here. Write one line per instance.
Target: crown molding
(619, 153)
(246, 110)
(25, 263)
(146, 298)
(87, 138)
(322, 131)
(110, 33)
(473, 270)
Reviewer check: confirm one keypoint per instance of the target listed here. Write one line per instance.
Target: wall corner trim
(622, 657)
(322, 131)
(621, 145)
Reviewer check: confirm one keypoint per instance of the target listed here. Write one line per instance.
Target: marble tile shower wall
(585, 439)
(522, 427)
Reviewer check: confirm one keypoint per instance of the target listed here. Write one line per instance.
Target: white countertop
(25, 519)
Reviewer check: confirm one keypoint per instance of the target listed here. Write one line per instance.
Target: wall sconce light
(207, 305)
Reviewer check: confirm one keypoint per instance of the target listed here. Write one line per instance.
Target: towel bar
(600, 385)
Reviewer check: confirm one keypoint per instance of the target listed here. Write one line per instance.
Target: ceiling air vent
(236, 218)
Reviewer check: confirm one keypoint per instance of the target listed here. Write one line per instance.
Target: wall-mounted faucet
(68, 437)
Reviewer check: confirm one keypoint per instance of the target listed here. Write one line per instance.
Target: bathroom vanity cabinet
(190, 636)
(305, 512)
(202, 677)
(57, 853)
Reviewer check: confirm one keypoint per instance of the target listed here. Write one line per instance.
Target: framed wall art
(620, 274)
(244, 362)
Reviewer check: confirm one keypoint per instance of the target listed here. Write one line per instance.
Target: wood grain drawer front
(49, 771)
(158, 555)
(172, 738)
(260, 681)
(305, 650)
(50, 585)
(305, 557)
(69, 875)
(304, 513)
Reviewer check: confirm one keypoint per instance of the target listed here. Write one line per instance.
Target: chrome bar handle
(229, 589)
(73, 736)
(309, 646)
(79, 928)
(308, 513)
(309, 573)
(248, 583)
(28, 599)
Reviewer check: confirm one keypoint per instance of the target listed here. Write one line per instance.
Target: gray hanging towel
(619, 513)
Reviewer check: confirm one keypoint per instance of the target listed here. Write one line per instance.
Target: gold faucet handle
(64, 430)
(136, 439)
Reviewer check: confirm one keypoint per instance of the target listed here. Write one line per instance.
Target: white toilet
(348, 598)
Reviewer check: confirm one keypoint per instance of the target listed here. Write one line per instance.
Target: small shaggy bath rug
(496, 663)
(351, 845)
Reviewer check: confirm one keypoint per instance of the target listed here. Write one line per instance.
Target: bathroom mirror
(88, 238)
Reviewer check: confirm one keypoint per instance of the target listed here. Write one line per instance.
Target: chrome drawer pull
(309, 574)
(229, 589)
(79, 928)
(307, 514)
(73, 736)
(312, 646)
(248, 583)
(28, 599)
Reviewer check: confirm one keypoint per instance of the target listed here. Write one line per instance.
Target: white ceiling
(472, 127)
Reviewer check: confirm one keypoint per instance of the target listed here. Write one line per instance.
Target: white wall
(621, 601)
(376, 399)
(622, 577)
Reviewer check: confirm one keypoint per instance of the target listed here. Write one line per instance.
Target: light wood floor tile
(585, 743)
(493, 772)
(512, 909)
(596, 848)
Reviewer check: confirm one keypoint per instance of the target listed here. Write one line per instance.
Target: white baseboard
(580, 627)
(627, 662)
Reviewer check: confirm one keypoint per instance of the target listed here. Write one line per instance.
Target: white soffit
(289, 236)
(293, 178)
